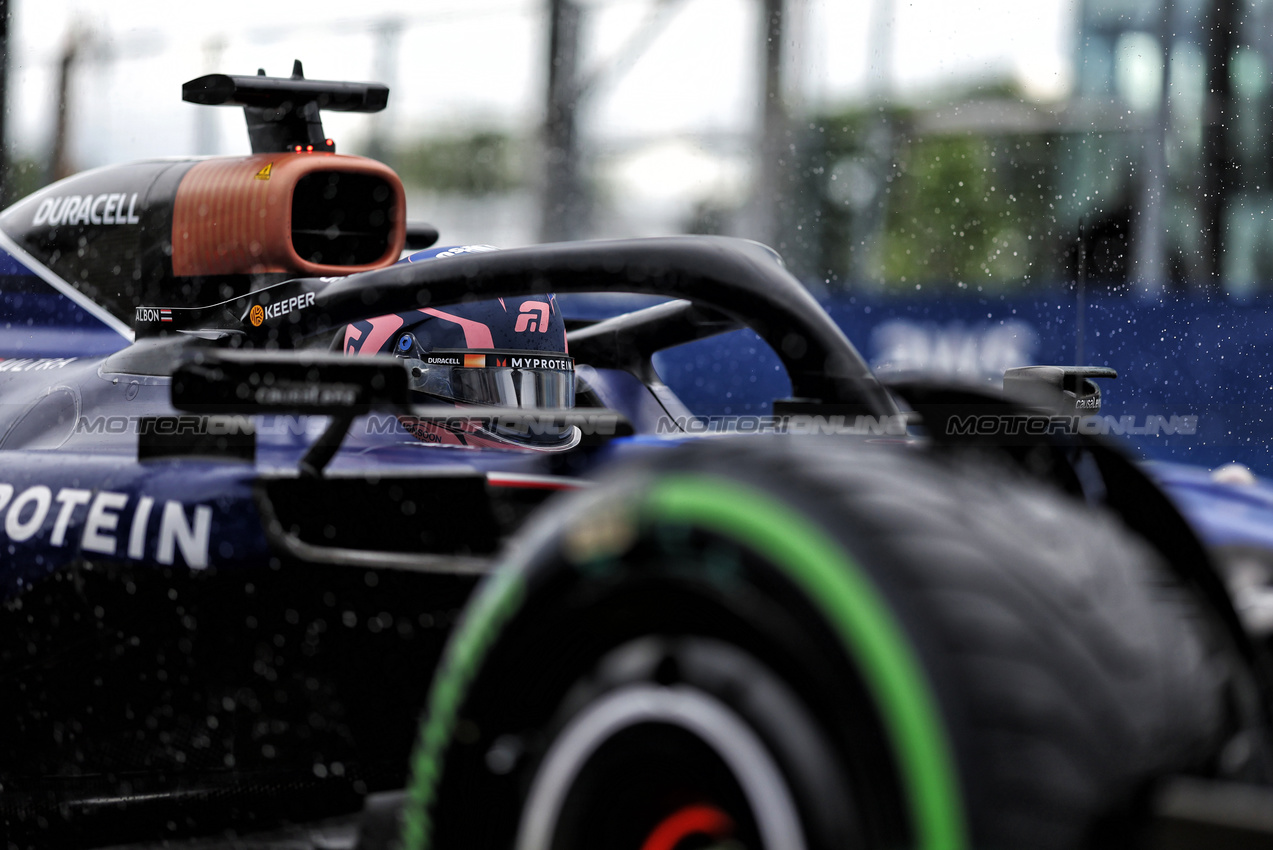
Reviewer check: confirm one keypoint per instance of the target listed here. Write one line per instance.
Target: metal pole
(4, 103)
(60, 162)
(1149, 261)
(867, 226)
(771, 184)
(563, 200)
(388, 37)
(1219, 171)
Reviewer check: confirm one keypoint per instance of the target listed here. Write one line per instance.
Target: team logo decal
(533, 317)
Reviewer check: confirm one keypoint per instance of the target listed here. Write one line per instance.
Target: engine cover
(198, 231)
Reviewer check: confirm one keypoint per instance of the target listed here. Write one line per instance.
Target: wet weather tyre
(806, 644)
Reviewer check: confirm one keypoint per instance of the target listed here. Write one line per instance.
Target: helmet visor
(540, 380)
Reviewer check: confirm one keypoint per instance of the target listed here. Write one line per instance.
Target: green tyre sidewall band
(838, 586)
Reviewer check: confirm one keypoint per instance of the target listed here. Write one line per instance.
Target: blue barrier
(1195, 378)
(1195, 375)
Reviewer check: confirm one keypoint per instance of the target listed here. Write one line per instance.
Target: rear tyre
(890, 648)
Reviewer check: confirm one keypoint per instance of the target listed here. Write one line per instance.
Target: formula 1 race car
(304, 546)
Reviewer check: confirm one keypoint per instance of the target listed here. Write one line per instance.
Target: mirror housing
(1060, 390)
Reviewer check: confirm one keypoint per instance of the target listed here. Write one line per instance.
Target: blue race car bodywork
(230, 570)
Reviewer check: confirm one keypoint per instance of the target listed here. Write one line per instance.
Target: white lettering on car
(175, 531)
(106, 208)
(464, 249)
(137, 536)
(19, 529)
(542, 363)
(37, 364)
(70, 499)
(103, 517)
(287, 305)
(184, 532)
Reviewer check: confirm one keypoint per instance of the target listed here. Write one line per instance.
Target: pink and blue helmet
(510, 352)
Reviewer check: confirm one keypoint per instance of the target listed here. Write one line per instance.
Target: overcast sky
(461, 62)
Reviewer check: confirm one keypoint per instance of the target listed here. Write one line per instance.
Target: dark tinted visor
(529, 379)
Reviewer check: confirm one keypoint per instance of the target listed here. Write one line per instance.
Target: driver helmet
(509, 352)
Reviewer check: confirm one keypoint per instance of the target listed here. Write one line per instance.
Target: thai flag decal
(165, 315)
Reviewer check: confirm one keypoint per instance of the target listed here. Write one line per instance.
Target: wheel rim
(688, 823)
(673, 768)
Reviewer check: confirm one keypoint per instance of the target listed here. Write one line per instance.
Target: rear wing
(283, 113)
